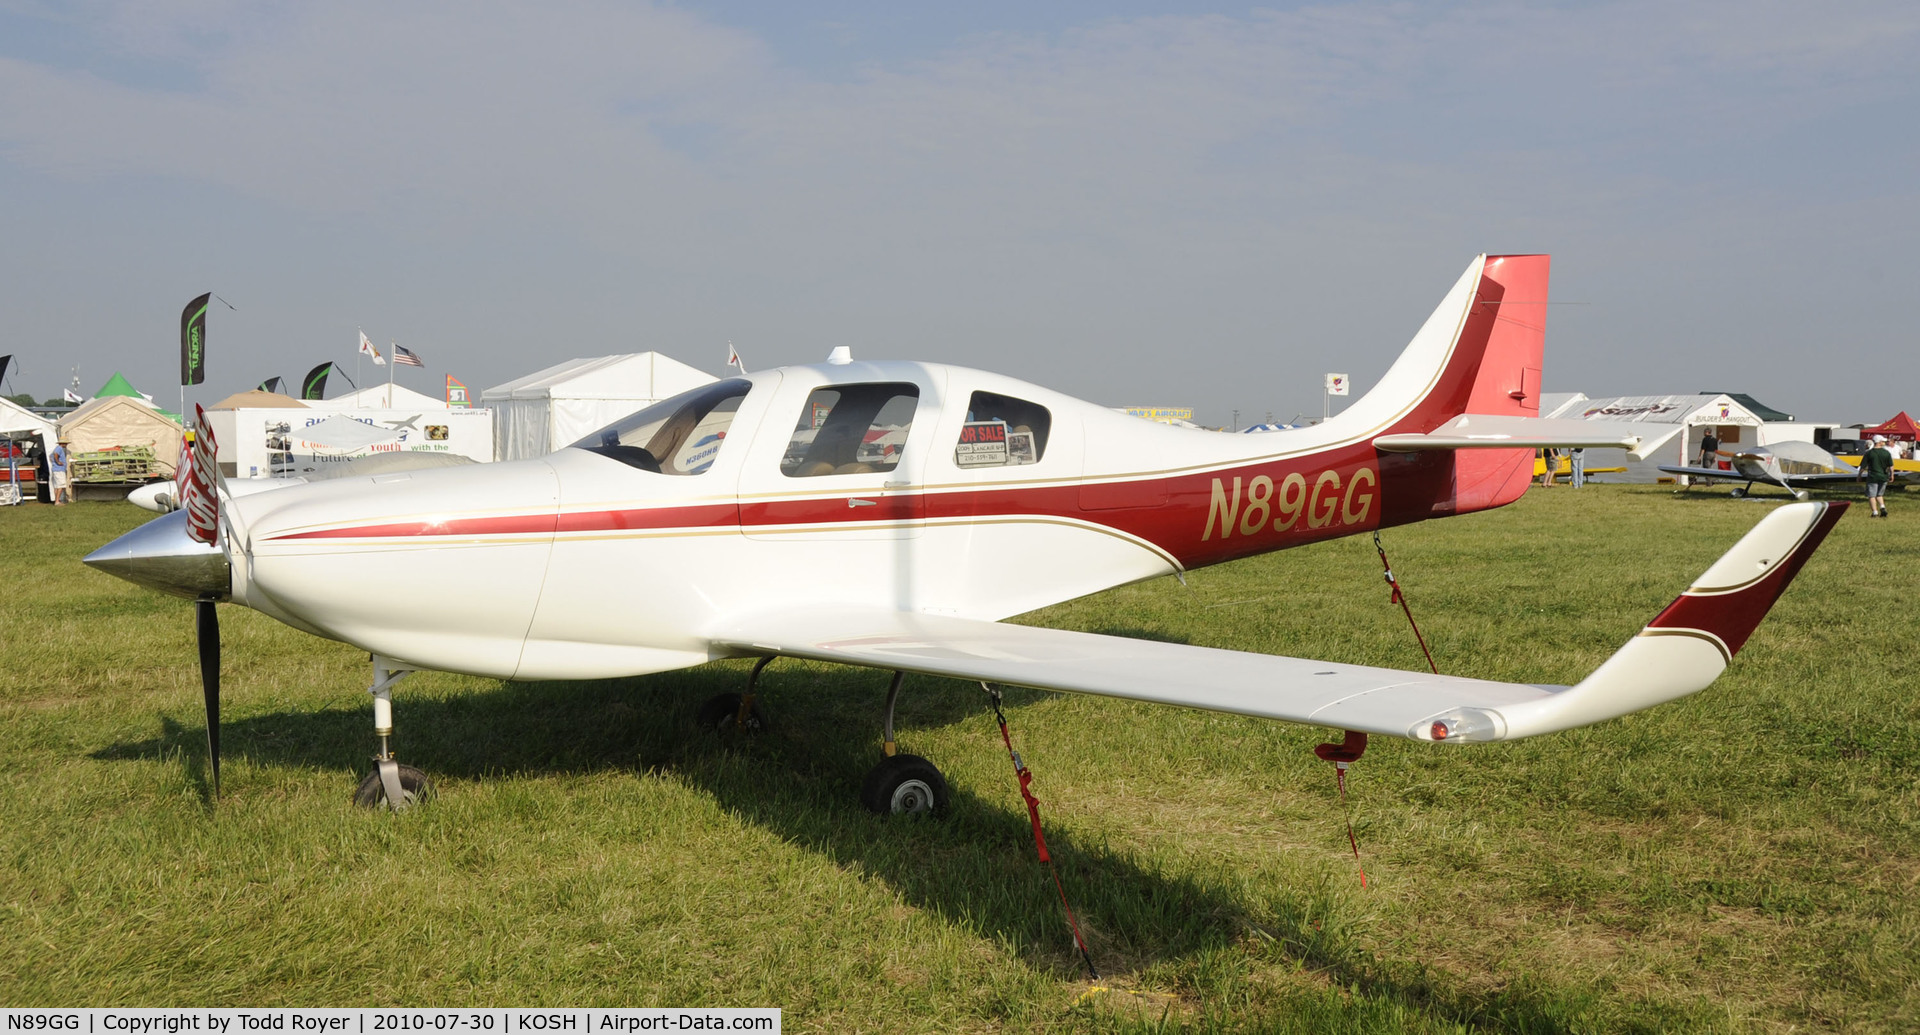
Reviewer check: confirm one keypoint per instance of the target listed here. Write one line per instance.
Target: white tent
(545, 411)
(1669, 417)
(18, 422)
(109, 421)
(374, 397)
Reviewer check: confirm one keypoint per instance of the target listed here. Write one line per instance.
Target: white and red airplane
(889, 514)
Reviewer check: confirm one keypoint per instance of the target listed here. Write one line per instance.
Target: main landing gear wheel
(721, 713)
(414, 789)
(903, 785)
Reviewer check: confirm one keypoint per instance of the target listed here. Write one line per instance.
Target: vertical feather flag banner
(271, 384)
(193, 341)
(315, 384)
(5, 362)
(457, 393)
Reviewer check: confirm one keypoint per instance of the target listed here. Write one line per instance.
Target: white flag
(1336, 384)
(367, 349)
(71, 396)
(733, 359)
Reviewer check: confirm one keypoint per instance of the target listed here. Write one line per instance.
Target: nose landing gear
(389, 784)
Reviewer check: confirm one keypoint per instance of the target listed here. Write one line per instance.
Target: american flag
(404, 357)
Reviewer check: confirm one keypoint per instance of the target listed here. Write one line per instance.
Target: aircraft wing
(1480, 431)
(1682, 650)
(1711, 472)
(1817, 480)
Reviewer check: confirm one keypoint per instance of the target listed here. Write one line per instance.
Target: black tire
(720, 714)
(905, 785)
(414, 786)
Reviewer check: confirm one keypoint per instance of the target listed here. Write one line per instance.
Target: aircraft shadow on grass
(800, 777)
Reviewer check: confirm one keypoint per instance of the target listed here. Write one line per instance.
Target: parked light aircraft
(1794, 466)
(889, 514)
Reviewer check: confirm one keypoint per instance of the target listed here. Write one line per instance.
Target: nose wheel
(413, 787)
(390, 785)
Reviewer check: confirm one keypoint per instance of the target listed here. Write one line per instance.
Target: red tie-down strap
(1343, 754)
(1400, 598)
(1040, 839)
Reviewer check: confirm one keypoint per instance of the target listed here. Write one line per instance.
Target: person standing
(1709, 449)
(57, 473)
(1877, 468)
(1578, 458)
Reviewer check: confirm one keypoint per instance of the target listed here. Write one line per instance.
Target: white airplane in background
(1794, 466)
(889, 514)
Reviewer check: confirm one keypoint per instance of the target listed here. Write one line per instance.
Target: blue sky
(1135, 203)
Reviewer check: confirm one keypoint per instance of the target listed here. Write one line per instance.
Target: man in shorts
(1877, 468)
(62, 486)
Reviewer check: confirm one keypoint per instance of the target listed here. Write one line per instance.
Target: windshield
(679, 436)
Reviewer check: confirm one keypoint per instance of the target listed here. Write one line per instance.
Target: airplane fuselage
(576, 565)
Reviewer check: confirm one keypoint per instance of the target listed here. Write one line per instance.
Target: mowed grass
(1746, 859)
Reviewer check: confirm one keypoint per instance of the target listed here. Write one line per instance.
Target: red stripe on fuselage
(1206, 518)
(710, 515)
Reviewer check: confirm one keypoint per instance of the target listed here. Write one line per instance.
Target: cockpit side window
(1002, 431)
(677, 436)
(851, 429)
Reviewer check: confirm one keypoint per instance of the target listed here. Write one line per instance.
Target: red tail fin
(1494, 369)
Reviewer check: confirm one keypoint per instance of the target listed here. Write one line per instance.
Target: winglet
(1681, 651)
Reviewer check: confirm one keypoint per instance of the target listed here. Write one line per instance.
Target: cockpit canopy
(677, 436)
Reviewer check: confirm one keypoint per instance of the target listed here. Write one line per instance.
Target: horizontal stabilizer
(1681, 651)
(1481, 431)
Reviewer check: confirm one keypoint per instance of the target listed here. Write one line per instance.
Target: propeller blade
(207, 623)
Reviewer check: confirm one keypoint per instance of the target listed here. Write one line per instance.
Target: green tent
(119, 385)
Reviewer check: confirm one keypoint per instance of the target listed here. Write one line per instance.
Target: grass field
(1746, 859)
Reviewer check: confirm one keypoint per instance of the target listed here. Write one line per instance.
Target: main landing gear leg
(390, 784)
(725, 712)
(903, 784)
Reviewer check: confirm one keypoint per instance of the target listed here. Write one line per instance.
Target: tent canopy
(119, 385)
(255, 399)
(1898, 426)
(374, 397)
(543, 411)
(18, 422)
(1756, 407)
(106, 421)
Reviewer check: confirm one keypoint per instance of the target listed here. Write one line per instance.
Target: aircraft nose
(161, 555)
